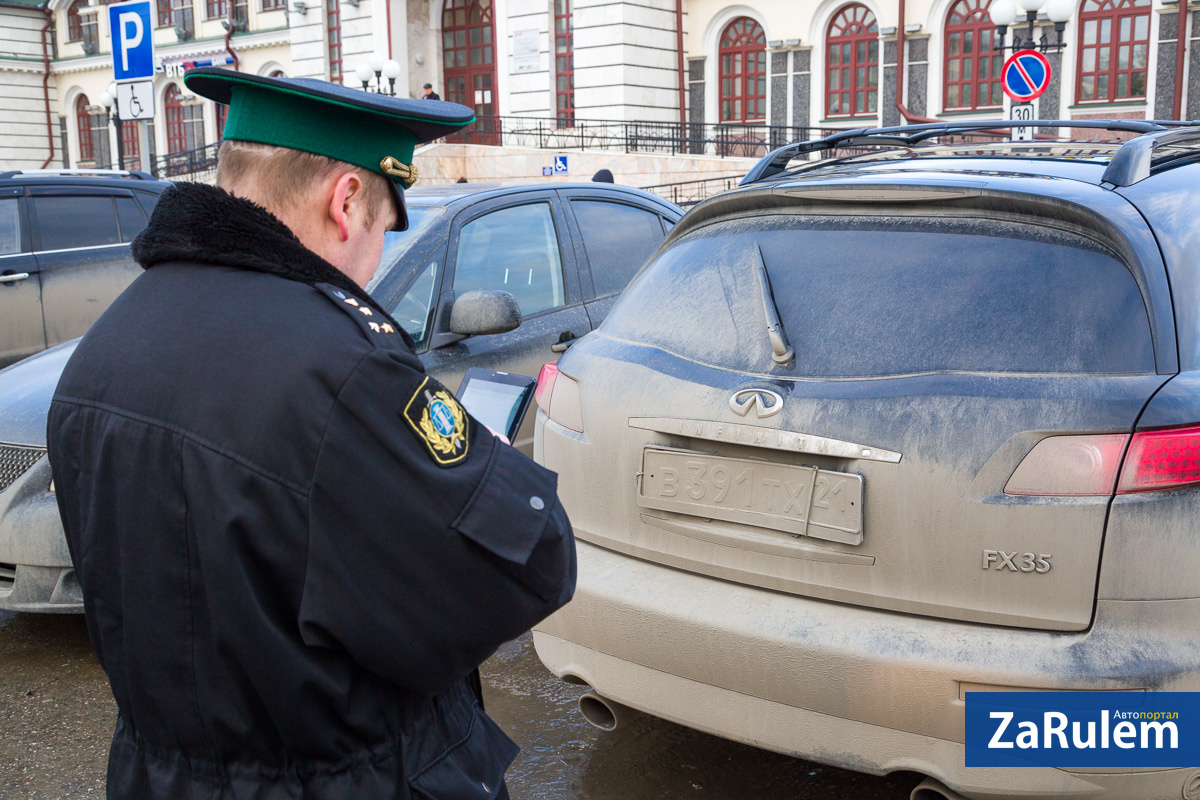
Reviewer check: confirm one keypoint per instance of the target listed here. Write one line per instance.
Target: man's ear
(347, 196)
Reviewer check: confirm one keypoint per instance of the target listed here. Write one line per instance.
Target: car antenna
(781, 351)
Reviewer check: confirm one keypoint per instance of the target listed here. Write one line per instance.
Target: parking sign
(560, 165)
(132, 40)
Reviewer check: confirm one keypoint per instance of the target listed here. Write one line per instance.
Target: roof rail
(1133, 162)
(99, 173)
(776, 161)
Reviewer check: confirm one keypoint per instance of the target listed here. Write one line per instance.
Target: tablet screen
(494, 404)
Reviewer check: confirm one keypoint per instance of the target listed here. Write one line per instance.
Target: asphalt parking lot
(56, 716)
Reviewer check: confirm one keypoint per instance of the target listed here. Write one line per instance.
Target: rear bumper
(867, 690)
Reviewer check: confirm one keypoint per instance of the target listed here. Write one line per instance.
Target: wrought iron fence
(666, 138)
(195, 164)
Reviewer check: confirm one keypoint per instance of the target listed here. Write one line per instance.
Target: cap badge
(407, 173)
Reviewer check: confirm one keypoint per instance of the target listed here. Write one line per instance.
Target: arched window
(83, 124)
(277, 74)
(852, 63)
(1114, 48)
(130, 150)
(468, 54)
(743, 60)
(74, 25)
(222, 114)
(972, 67)
(173, 112)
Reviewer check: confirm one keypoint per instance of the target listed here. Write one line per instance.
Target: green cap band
(338, 131)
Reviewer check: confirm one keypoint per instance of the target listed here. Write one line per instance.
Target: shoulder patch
(371, 323)
(439, 421)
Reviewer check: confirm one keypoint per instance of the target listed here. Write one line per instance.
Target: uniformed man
(295, 547)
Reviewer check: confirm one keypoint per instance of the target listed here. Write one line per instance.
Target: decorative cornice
(32, 65)
(195, 48)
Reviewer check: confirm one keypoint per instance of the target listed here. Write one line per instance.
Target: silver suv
(872, 432)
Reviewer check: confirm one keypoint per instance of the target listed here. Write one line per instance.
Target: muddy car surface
(870, 433)
(64, 251)
(563, 254)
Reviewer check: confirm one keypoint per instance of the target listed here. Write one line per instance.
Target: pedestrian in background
(295, 548)
(427, 92)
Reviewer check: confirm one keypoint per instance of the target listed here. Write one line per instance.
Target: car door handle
(14, 277)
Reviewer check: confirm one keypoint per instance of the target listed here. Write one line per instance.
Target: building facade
(808, 64)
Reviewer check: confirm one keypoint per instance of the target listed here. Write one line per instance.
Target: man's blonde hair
(283, 177)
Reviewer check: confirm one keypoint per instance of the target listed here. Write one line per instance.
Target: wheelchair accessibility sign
(560, 165)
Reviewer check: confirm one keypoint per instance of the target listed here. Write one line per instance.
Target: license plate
(800, 500)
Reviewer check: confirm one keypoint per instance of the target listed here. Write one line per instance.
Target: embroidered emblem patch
(439, 421)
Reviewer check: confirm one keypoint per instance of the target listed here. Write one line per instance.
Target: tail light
(1165, 459)
(1070, 466)
(557, 395)
(1079, 466)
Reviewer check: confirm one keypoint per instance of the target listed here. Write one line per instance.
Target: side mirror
(481, 312)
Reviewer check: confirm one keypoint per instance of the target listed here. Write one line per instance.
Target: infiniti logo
(764, 402)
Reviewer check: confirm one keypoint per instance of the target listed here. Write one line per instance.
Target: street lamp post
(108, 99)
(1004, 14)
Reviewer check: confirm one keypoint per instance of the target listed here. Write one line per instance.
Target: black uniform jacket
(290, 568)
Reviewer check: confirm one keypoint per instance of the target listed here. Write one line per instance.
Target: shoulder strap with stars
(376, 325)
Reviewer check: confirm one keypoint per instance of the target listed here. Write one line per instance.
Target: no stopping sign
(1026, 75)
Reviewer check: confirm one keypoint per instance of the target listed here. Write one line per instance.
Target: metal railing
(195, 164)
(688, 193)
(666, 138)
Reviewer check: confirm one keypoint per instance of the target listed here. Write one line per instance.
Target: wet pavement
(56, 717)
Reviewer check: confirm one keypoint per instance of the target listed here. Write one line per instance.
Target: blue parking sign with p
(132, 40)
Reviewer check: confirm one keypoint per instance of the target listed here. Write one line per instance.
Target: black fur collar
(203, 224)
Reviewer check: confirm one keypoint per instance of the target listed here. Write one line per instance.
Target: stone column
(917, 73)
(696, 104)
(779, 98)
(1049, 105)
(801, 86)
(1193, 83)
(887, 75)
(1164, 78)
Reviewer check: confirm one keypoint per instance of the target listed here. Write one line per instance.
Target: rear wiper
(781, 351)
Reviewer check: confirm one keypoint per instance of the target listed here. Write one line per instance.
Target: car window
(618, 240)
(10, 227)
(131, 218)
(396, 244)
(514, 249)
(951, 295)
(148, 200)
(412, 309)
(76, 221)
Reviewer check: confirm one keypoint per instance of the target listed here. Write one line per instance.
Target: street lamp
(380, 69)
(1004, 14)
(107, 99)
(363, 73)
(391, 71)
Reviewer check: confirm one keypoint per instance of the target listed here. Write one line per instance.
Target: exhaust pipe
(605, 714)
(933, 789)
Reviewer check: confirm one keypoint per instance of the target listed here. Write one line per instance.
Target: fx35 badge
(1017, 562)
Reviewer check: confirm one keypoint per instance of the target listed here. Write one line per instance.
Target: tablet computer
(497, 399)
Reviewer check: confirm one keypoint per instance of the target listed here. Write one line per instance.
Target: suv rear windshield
(875, 296)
